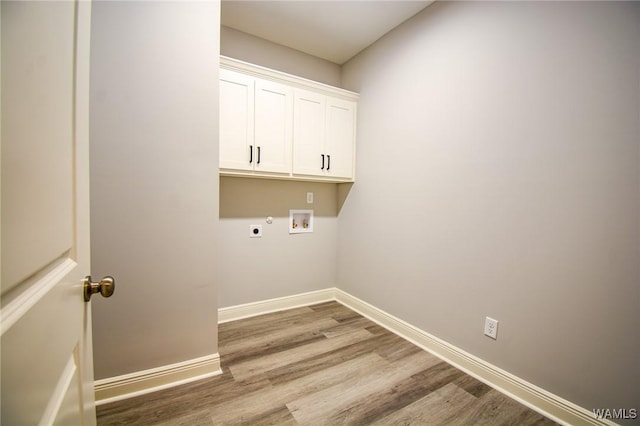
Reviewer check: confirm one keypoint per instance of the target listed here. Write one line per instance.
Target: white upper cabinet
(324, 136)
(275, 125)
(255, 124)
(236, 120)
(309, 133)
(340, 137)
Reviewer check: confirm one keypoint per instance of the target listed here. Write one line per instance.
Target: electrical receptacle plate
(255, 231)
(491, 327)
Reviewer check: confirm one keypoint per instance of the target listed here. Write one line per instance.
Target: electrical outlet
(255, 231)
(491, 327)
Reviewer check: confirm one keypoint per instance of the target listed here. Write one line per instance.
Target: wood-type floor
(322, 365)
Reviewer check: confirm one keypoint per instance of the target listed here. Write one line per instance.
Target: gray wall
(278, 264)
(248, 48)
(154, 182)
(498, 174)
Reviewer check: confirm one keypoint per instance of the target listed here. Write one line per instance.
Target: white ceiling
(335, 30)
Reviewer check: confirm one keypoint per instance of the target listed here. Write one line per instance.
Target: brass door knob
(105, 287)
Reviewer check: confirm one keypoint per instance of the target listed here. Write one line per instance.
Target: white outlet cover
(255, 231)
(491, 327)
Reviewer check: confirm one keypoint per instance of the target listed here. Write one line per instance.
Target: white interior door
(47, 371)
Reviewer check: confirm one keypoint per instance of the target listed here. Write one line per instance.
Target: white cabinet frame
(298, 128)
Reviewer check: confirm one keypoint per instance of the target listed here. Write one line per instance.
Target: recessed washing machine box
(300, 221)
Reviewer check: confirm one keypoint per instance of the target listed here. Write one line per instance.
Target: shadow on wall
(249, 198)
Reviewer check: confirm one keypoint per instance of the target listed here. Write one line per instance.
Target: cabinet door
(308, 133)
(340, 137)
(273, 127)
(236, 120)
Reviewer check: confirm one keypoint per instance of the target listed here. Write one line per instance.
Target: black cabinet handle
(250, 154)
(322, 168)
(258, 162)
(328, 162)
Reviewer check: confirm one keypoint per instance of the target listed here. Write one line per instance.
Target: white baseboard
(142, 382)
(233, 313)
(540, 400)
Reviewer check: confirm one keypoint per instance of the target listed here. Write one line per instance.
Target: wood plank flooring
(322, 365)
